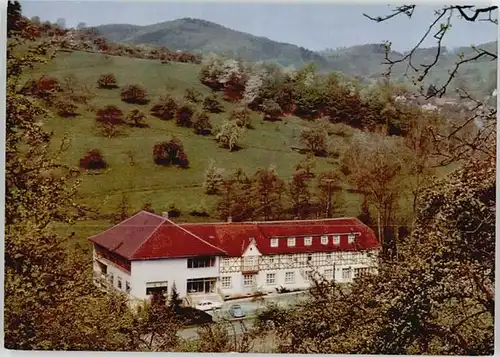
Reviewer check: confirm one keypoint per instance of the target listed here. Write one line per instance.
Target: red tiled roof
(234, 238)
(147, 236)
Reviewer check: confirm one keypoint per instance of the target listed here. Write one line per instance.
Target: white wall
(115, 270)
(170, 270)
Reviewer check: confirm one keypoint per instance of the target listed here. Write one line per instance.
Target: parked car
(206, 305)
(236, 311)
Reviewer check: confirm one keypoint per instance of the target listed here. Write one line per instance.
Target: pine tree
(213, 178)
(175, 301)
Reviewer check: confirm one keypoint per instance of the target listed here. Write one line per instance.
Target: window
(271, 260)
(248, 280)
(202, 262)
(324, 240)
(291, 242)
(274, 242)
(160, 287)
(328, 256)
(226, 282)
(350, 238)
(346, 273)
(309, 275)
(289, 277)
(119, 283)
(201, 285)
(271, 278)
(308, 240)
(127, 286)
(309, 258)
(336, 240)
(328, 274)
(111, 279)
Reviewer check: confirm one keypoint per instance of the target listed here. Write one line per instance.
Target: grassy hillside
(269, 143)
(204, 36)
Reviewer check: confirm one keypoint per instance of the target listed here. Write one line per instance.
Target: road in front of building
(250, 307)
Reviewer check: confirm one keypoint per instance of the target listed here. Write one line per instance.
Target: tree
(300, 194)
(306, 165)
(234, 199)
(437, 298)
(108, 120)
(193, 95)
(202, 124)
(66, 108)
(61, 23)
(122, 210)
(271, 109)
(136, 118)
(134, 94)
(107, 81)
(228, 135)
(315, 139)
(241, 117)
(267, 194)
(170, 152)
(165, 108)
(175, 301)
(50, 301)
(329, 194)
(375, 165)
(93, 160)
(212, 104)
(213, 178)
(185, 116)
(81, 26)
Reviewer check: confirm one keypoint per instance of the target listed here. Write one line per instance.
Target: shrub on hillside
(107, 81)
(66, 108)
(202, 124)
(241, 117)
(229, 134)
(136, 118)
(212, 104)
(44, 88)
(165, 108)
(134, 94)
(108, 120)
(93, 160)
(192, 95)
(173, 210)
(271, 109)
(110, 114)
(170, 152)
(199, 211)
(185, 116)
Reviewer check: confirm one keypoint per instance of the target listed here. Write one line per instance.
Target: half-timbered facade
(148, 253)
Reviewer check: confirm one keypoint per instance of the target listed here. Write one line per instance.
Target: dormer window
(291, 242)
(308, 241)
(324, 240)
(350, 238)
(274, 242)
(336, 240)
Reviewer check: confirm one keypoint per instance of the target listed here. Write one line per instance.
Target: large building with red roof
(148, 253)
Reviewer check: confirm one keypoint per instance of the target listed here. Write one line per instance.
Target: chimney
(229, 219)
(164, 214)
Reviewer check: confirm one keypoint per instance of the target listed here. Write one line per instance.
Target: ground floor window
(346, 273)
(361, 272)
(201, 286)
(226, 282)
(249, 280)
(119, 283)
(271, 278)
(328, 274)
(157, 291)
(127, 286)
(102, 267)
(289, 277)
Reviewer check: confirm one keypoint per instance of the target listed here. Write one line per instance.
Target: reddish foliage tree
(93, 160)
(185, 116)
(170, 153)
(134, 94)
(110, 114)
(107, 81)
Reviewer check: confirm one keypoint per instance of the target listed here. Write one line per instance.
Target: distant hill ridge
(362, 61)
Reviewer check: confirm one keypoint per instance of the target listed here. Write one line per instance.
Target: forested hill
(362, 61)
(202, 36)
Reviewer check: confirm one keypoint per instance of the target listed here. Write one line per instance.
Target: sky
(314, 26)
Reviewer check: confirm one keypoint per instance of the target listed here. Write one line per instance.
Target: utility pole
(329, 202)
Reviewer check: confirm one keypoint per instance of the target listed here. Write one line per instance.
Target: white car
(206, 305)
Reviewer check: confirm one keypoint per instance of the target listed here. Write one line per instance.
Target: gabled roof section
(126, 237)
(148, 236)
